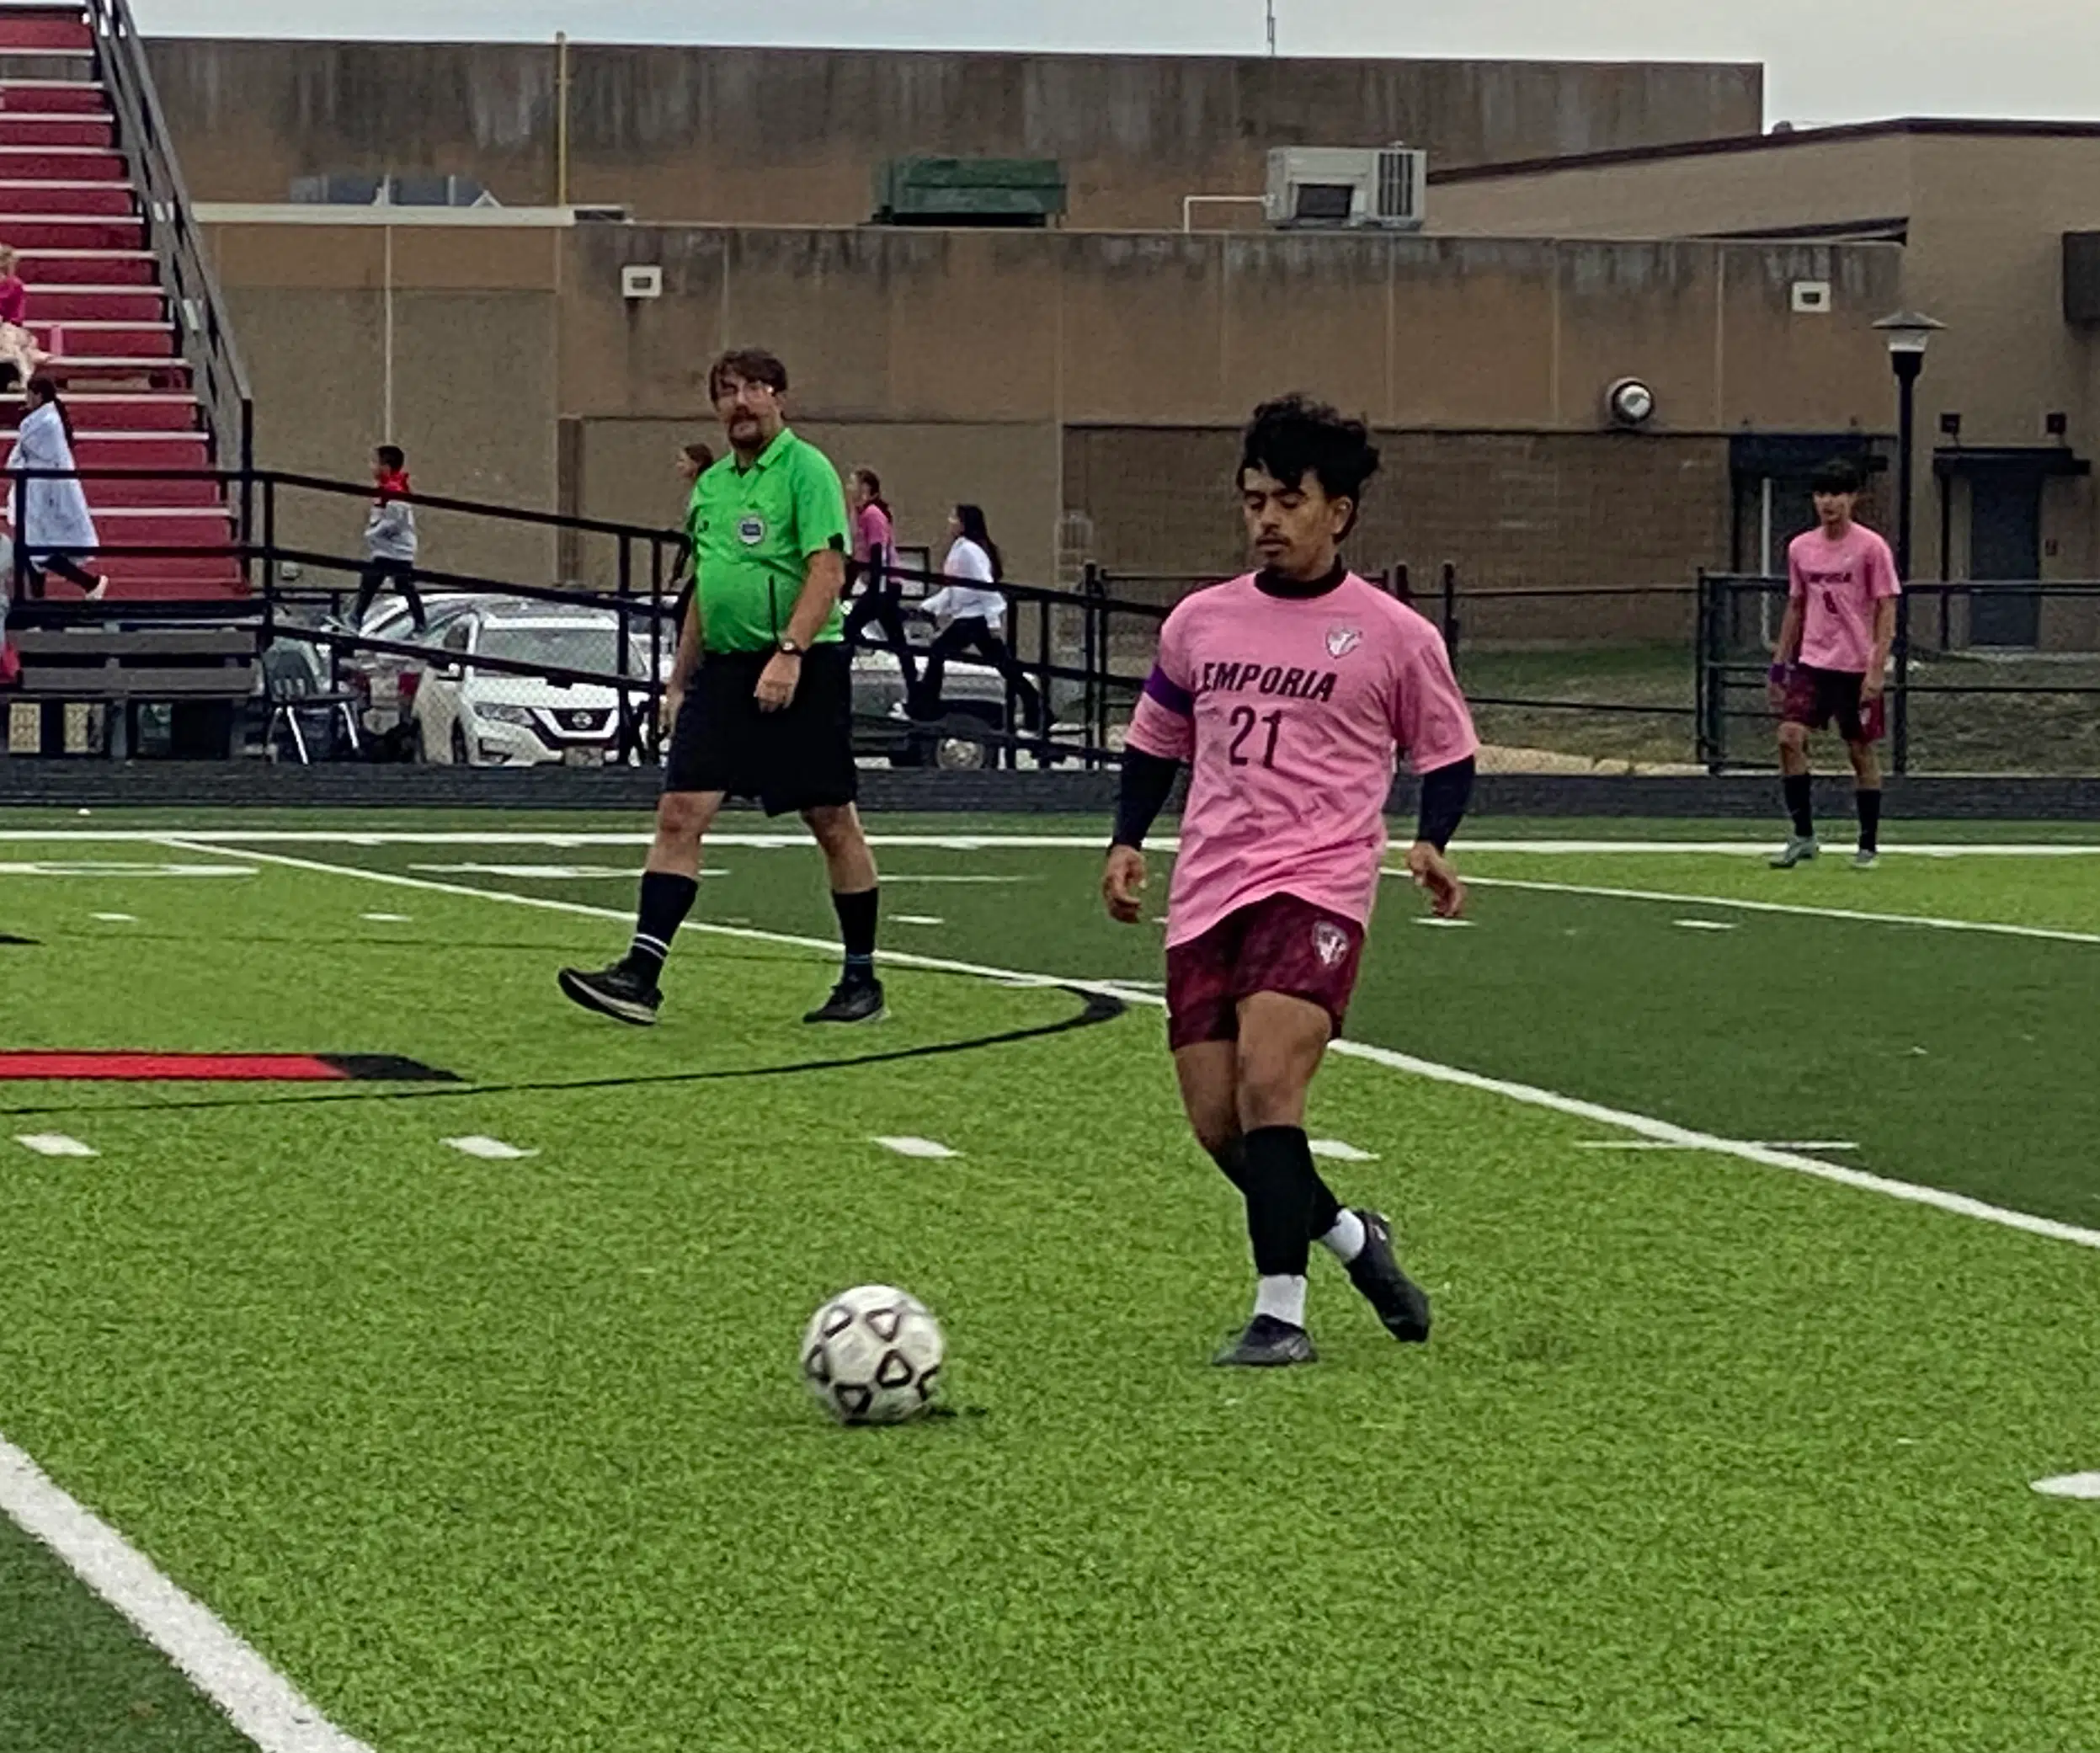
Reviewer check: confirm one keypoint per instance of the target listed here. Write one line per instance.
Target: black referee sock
(1868, 798)
(1279, 1181)
(856, 929)
(1800, 788)
(666, 899)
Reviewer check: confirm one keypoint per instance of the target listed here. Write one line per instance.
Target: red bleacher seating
(96, 303)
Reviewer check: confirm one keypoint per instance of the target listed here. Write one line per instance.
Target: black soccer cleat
(852, 1001)
(617, 992)
(1268, 1344)
(1402, 1304)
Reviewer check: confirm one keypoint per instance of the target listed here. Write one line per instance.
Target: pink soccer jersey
(1290, 711)
(1838, 583)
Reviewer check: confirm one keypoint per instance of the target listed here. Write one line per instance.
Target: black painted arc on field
(1095, 1008)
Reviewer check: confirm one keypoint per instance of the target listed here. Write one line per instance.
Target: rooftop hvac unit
(1331, 188)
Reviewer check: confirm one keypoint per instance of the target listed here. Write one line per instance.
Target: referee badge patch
(751, 530)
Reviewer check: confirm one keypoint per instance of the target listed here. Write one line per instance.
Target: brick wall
(1512, 510)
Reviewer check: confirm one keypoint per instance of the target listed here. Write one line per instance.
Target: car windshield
(593, 647)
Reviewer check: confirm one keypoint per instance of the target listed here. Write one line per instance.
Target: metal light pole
(1909, 333)
(1273, 30)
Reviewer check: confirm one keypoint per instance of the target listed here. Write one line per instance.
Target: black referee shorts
(797, 759)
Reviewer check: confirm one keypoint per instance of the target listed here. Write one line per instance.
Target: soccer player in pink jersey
(1833, 658)
(1288, 693)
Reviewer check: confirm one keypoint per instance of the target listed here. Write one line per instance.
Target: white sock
(1282, 1296)
(1345, 1240)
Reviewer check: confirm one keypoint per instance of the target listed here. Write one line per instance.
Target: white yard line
(1641, 1125)
(245, 837)
(125, 869)
(264, 1705)
(1850, 914)
(907, 1146)
(1763, 1143)
(493, 1150)
(54, 1144)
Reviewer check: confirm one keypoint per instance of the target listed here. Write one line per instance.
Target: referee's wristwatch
(790, 647)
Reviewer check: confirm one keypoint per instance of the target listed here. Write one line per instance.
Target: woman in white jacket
(975, 609)
(52, 527)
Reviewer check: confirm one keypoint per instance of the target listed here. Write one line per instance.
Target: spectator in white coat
(50, 517)
(975, 611)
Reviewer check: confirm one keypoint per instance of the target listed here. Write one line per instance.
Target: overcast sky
(1826, 61)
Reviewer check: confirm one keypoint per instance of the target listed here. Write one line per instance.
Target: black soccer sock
(1279, 1178)
(1800, 788)
(1232, 1162)
(1868, 798)
(856, 929)
(666, 899)
(1326, 1208)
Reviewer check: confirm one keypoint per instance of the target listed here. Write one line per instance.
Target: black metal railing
(1651, 674)
(196, 306)
(1957, 702)
(1064, 642)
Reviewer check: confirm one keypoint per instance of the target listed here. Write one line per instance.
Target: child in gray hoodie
(390, 538)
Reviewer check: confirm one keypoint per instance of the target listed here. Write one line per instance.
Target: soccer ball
(873, 1354)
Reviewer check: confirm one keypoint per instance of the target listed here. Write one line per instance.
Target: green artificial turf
(73, 1677)
(512, 1453)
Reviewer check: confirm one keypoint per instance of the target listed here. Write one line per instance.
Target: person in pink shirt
(1288, 693)
(880, 601)
(1833, 658)
(17, 346)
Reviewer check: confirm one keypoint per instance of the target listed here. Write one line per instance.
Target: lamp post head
(1908, 333)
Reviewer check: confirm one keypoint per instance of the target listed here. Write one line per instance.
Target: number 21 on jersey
(1245, 719)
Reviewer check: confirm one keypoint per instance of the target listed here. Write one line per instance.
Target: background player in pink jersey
(1288, 692)
(1833, 658)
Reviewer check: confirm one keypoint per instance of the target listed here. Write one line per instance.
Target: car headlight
(501, 714)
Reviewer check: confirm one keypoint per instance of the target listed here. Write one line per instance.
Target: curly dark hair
(753, 364)
(1295, 436)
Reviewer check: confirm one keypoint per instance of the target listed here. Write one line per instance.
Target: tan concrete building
(1991, 217)
(1086, 386)
(792, 136)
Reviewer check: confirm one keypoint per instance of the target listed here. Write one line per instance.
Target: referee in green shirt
(761, 697)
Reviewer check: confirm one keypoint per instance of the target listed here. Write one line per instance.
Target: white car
(470, 715)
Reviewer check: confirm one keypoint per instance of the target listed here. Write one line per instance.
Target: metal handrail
(199, 306)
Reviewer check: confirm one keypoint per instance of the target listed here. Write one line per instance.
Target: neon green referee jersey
(754, 531)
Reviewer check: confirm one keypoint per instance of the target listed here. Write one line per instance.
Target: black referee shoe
(1268, 1344)
(616, 992)
(1402, 1304)
(852, 1001)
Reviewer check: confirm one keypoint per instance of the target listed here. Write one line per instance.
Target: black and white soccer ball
(872, 1356)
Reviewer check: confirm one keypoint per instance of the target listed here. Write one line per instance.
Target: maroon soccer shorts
(1280, 944)
(1816, 697)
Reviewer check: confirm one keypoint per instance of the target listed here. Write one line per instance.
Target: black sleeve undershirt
(1148, 782)
(1446, 792)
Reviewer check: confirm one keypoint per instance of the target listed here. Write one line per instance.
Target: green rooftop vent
(969, 192)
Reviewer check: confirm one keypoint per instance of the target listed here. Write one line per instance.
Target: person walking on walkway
(390, 538)
(49, 516)
(880, 602)
(974, 609)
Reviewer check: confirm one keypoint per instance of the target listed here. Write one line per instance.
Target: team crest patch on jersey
(751, 531)
(1342, 641)
(1330, 943)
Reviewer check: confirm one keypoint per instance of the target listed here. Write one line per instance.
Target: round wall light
(1630, 402)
